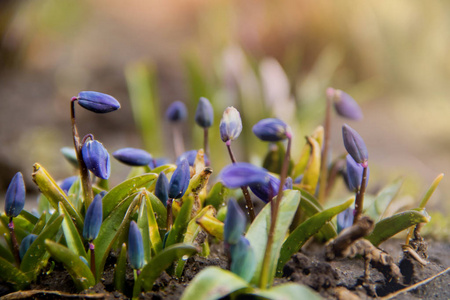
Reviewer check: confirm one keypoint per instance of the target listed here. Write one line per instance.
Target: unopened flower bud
(26, 243)
(266, 191)
(345, 219)
(135, 247)
(235, 222)
(162, 188)
(204, 115)
(96, 159)
(354, 174)
(179, 181)
(133, 156)
(176, 112)
(94, 217)
(271, 130)
(67, 183)
(230, 125)
(243, 174)
(344, 104)
(354, 144)
(15, 196)
(98, 102)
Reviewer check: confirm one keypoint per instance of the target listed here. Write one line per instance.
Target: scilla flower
(204, 115)
(162, 188)
(272, 130)
(15, 196)
(176, 112)
(235, 222)
(230, 125)
(94, 217)
(354, 174)
(135, 247)
(96, 159)
(243, 174)
(355, 146)
(97, 102)
(26, 243)
(344, 104)
(179, 181)
(133, 156)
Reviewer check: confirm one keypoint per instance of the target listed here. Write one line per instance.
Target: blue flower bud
(243, 174)
(96, 159)
(189, 156)
(204, 115)
(266, 191)
(177, 111)
(94, 217)
(71, 155)
(243, 262)
(345, 219)
(67, 183)
(179, 181)
(135, 247)
(344, 104)
(26, 243)
(133, 156)
(162, 188)
(15, 196)
(271, 130)
(354, 174)
(230, 125)
(235, 222)
(354, 144)
(98, 102)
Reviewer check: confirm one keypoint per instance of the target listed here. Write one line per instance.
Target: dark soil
(339, 279)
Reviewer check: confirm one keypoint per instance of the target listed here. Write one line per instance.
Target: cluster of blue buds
(97, 102)
(135, 247)
(176, 112)
(94, 217)
(133, 156)
(96, 158)
(15, 196)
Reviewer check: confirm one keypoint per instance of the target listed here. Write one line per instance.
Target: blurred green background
(267, 58)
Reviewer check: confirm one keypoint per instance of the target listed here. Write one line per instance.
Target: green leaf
(181, 222)
(123, 190)
(54, 193)
(388, 227)
(112, 226)
(142, 223)
(81, 274)
(11, 275)
(214, 283)
(159, 210)
(29, 217)
(158, 264)
(155, 237)
(304, 231)
(40, 224)
(288, 291)
(6, 253)
(274, 158)
(120, 270)
(169, 168)
(216, 195)
(258, 232)
(377, 208)
(22, 227)
(72, 236)
(32, 261)
(75, 194)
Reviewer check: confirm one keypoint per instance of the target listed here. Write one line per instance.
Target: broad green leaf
(32, 261)
(211, 225)
(191, 234)
(158, 264)
(6, 253)
(142, 223)
(29, 217)
(304, 231)
(43, 204)
(120, 270)
(258, 232)
(181, 222)
(40, 224)
(155, 236)
(214, 283)
(75, 195)
(388, 227)
(54, 193)
(216, 195)
(159, 210)
(288, 291)
(169, 168)
(123, 190)
(377, 208)
(111, 228)
(138, 171)
(72, 236)
(11, 275)
(81, 274)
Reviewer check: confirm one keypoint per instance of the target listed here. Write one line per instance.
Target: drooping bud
(243, 174)
(204, 115)
(15, 196)
(96, 158)
(176, 112)
(26, 243)
(271, 130)
(98, 102)
(266, 191)
(94, 217)
(235, 222)
(243, 261)
(67, 183)
(71, 155)
(135, 247)
(345, 219)
(230, 125)
(162, 188)
(133, 156)
(344, 104)
(354, 144)
(179, 181)
(354, 174)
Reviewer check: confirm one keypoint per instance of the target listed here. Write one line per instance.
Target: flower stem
(178, 143)
(14, 242)
(92, 248)
(206, 145)
(248, 200)
(359, 199)
(84, 172)
(323, 160)
(274, 206)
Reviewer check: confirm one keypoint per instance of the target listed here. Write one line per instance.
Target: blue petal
(162, 188)
(15, 196)
(354, 144)
(98, 102)
(96, 158)
(135, 247)
(243, 174)
(235, 223)
(179, 181)
(177, 111)
(94, 217)
(133, 156)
